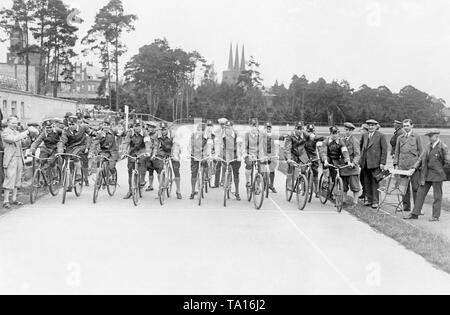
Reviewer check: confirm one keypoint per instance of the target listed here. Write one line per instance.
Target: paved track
(114, 247)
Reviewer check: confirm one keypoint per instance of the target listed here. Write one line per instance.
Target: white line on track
(318, 249)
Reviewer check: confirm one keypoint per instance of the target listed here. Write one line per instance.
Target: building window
(22, 110)
(14, 108)
(5, 108)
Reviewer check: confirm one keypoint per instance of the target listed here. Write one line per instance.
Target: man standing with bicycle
(75, 140)
(335, 152)
(272, 152)
(200, 148)
(138, 142)
(163, 148)
(50, 136)
(295, 150)
(150, 164)
(105, 144)
(230, 149)
(313, 154)
(255, 149)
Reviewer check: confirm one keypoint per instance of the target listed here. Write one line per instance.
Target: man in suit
(407, 151)
(374, 152)
(13, 161)
(432, 174)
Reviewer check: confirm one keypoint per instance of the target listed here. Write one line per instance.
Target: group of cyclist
(152, 144)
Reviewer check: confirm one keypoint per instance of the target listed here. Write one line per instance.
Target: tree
(105, 35)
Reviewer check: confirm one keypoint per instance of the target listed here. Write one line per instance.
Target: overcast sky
(387, 42)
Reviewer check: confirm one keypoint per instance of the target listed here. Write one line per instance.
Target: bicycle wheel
(135, 187)
(162, 194)
(66, 184)
(169, 183)
(324, 189)
(55, 180)
(290, 191)
(310, 186)
(302, 192)
(36, 186)
(250, 189)
(200, 184)
(79, 181)
(226, 191)
(112, 182)
(339, 194)
(259, 191)
(98, 184)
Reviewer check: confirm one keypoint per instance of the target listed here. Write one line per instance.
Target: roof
(7, 90)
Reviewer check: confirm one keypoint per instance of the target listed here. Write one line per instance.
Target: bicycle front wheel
(162, 188)
(55, 180)
(112, 182)
(339, 194)
(226, 190)
(36, 186)
(259, 191)
(302, 192)
(79, 181)
(66, 184)
(201, 185)
(310, 186)
(290, 188)
(324, 189)
(98, 185)
(135, 187)
(169, 184)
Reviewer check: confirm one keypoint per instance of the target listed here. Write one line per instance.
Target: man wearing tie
(374, 152)
(432, 174)
(407, 151)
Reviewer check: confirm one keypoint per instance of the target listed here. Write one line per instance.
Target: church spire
(236, 65)
(230, 62)
(243, 63)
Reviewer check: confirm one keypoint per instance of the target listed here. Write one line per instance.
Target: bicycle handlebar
(200, 160)
(339, 167)
(102, 157)
(136, 157)
(226, 162)
(68, 155)
(41, 159)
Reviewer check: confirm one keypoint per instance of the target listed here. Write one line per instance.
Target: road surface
(116, 248)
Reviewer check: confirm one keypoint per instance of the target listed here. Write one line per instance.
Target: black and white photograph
(202, 150)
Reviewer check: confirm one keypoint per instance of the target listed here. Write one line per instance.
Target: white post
(127, 113)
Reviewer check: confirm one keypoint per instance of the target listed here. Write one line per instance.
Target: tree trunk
(27, 58)
(117, 71)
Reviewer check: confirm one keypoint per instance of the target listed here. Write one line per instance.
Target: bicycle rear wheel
(112, 182)
(302, 192)
(55, 180)
(339, 194)
(324, 189)
(259, 191)
(79, 181)
(36, 186)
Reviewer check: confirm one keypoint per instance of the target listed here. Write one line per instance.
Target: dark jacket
(374, 152)
(295, 145)
(431, 163)
(400, 132)
(354, 151)
(408, 151)
(50, 140)
(137, 144)
(76, 141)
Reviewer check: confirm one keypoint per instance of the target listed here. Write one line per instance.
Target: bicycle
(212, 167)
(52, 179)
(105, 177)
(136, 187)
(165, 180)
(300, 184)
(202, 179)
(259, 184)
(71, 179)
(228, 180)
(336, 193)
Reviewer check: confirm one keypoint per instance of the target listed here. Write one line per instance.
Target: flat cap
(433, 132)
(398, 122)
(334, 130)
(222, 121)
(349, 125)
(372, 122)
(365, 127)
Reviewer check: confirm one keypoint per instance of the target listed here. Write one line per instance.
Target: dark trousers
(414, 188)
(422, 195)
(371, 185)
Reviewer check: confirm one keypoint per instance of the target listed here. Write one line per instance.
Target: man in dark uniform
(50, 136)
(313, 154)
(74, 140)
(138, 142)
(334, 152)
(295, 149)
(432, 174)
(363, 131)
(398, 126)
(162, 148)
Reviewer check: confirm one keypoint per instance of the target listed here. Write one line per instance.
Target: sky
(385, 42)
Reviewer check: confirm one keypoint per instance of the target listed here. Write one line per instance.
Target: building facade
(235, 67)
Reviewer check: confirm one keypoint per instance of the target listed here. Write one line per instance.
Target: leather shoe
(128, 196)
(434, 220)
(412, 217)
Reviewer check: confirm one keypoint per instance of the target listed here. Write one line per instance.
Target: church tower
(235, 67)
